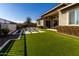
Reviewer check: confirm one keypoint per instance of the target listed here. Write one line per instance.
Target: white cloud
(19, 21)
(34, 21)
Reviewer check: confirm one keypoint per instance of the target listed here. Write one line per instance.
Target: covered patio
(51, 20)
(51, 17)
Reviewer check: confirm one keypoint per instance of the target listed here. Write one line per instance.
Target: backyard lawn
(14, 48)
(51, 43)
(17, 48)
(47, 43)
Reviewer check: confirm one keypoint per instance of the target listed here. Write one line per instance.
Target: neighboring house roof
(6, 21)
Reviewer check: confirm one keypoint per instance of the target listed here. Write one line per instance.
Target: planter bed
(5, 40)
(14, 35)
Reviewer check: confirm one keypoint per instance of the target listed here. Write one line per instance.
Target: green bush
(0, 32)
(71, 30)
(42, 27)
(5, 31)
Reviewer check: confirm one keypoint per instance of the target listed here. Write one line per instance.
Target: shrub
(0, 32)
(42, 27)
(19, 27)
(31, 25)
(5, 31)
(71, 30)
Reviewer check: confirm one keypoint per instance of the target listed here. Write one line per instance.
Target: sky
(18, 12)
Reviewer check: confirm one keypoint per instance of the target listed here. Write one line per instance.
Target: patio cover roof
(67, 6)
(52, 9)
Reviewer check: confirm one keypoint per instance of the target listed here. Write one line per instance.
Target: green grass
(51, 43)
(17, 48)
(48, 43)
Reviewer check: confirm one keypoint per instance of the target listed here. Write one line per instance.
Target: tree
(28, 23)
(5, 31)
(28, 20)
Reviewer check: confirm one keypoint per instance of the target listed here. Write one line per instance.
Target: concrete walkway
(52, 30)
(16, 35)
(27, 32)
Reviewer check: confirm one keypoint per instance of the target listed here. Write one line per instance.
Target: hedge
(71, 30)
(42, 27)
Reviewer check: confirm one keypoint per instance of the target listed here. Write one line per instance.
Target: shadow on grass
(25, 48)
(7, 48)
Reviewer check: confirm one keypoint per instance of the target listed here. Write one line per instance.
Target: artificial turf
(17, 48)
(50, 43)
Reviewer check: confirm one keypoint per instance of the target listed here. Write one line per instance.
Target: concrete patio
(52, 30)
(30, 30)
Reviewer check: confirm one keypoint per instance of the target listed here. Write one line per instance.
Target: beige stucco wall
(64, 16)
(41, 22)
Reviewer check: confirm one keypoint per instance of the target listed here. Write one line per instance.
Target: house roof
(51, 9)
(67, 6)
(39, 19)
(6, 21)
(56, 7)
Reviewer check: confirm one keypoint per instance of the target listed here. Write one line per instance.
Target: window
(77, 16)
(38, 22)
(72, 17)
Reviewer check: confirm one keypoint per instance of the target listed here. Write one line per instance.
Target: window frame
(76, 16)
(70, 23)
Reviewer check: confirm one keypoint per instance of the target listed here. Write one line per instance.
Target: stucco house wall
(40, 22)
(64, 16)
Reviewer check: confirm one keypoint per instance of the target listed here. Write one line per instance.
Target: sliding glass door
(74, 16)
(77, 16)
